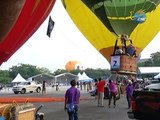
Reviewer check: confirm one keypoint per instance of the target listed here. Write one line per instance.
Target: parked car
(155, 86)
(28, 86)
(154, 81)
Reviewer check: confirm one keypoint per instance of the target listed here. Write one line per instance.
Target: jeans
(112, 94)
(129, 101)
(73, 115)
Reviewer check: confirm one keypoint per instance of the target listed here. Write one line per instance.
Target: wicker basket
(125, 64)
(25, 111)
(5, 110)
(26, 114)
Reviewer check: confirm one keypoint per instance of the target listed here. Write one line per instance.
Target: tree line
(27, 70)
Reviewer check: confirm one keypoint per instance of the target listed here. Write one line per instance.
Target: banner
(50, 26)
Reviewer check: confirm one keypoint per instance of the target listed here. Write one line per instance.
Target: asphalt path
(88, 109)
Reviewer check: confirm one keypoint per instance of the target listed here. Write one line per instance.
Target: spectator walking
(72, 96)
(100, 87)
(129, 93)
(44, 87)
(84, 85)
(57, 86)
(95, 87)
(81, 85)
(113, 92)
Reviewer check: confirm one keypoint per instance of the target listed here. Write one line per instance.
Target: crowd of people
(115, 88)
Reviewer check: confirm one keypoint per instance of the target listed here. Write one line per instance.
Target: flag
(50, 26)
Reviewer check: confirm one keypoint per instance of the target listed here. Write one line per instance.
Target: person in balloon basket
(71, 103)
(118, 51)
(131, 50)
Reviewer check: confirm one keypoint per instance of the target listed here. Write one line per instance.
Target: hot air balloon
(19, 20)
(104, 22)
(73, 65)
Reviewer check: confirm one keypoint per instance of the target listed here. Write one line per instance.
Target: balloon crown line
(141, 12)
(131, 17)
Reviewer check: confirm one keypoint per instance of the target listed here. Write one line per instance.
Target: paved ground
(88, 108)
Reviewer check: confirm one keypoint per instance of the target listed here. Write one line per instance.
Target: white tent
(84, 77)
(18, 79)
(157, 76)
(79, 75)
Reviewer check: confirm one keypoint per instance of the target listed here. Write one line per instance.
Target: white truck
(29, 86)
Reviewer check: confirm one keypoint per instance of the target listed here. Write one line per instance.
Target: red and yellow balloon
(103, 21)
(73, 65)
(18, 22)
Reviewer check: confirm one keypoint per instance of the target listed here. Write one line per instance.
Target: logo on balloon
(140, 16)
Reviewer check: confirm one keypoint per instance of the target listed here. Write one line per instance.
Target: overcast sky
(66, 43)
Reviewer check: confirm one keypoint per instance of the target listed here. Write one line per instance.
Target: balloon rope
(135, 6)
(143, 6)
(115, 8)
(149, 7)
(135, 35)
(156, 3)
(125, 9)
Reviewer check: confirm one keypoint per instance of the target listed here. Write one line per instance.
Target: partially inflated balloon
(104, 21)
(19, 20)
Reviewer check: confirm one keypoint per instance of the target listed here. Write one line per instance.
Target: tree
(4, 77)
(154, 61)
(26, 70)
(155, 57)
(59, 71)
(151, 62)
(97, 73)
(44, 70)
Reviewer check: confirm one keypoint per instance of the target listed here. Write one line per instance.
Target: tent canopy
(18, 78)
(84, 77)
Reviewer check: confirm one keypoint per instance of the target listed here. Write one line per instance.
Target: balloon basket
(124, 64)
(25, 111)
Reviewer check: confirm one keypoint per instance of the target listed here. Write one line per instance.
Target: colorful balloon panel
(30, 14)
(103, 25)
(9, 11)
(118, 14)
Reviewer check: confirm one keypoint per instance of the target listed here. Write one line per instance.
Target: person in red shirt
(100, 87)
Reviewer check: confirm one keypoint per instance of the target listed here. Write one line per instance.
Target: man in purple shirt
(72, 96)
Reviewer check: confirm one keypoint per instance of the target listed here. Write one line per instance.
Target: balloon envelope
(103, 21)
(73, 65)
(19, 20)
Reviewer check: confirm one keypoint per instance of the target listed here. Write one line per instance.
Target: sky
(66, 43)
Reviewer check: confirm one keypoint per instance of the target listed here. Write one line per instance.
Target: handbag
(71, 107)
